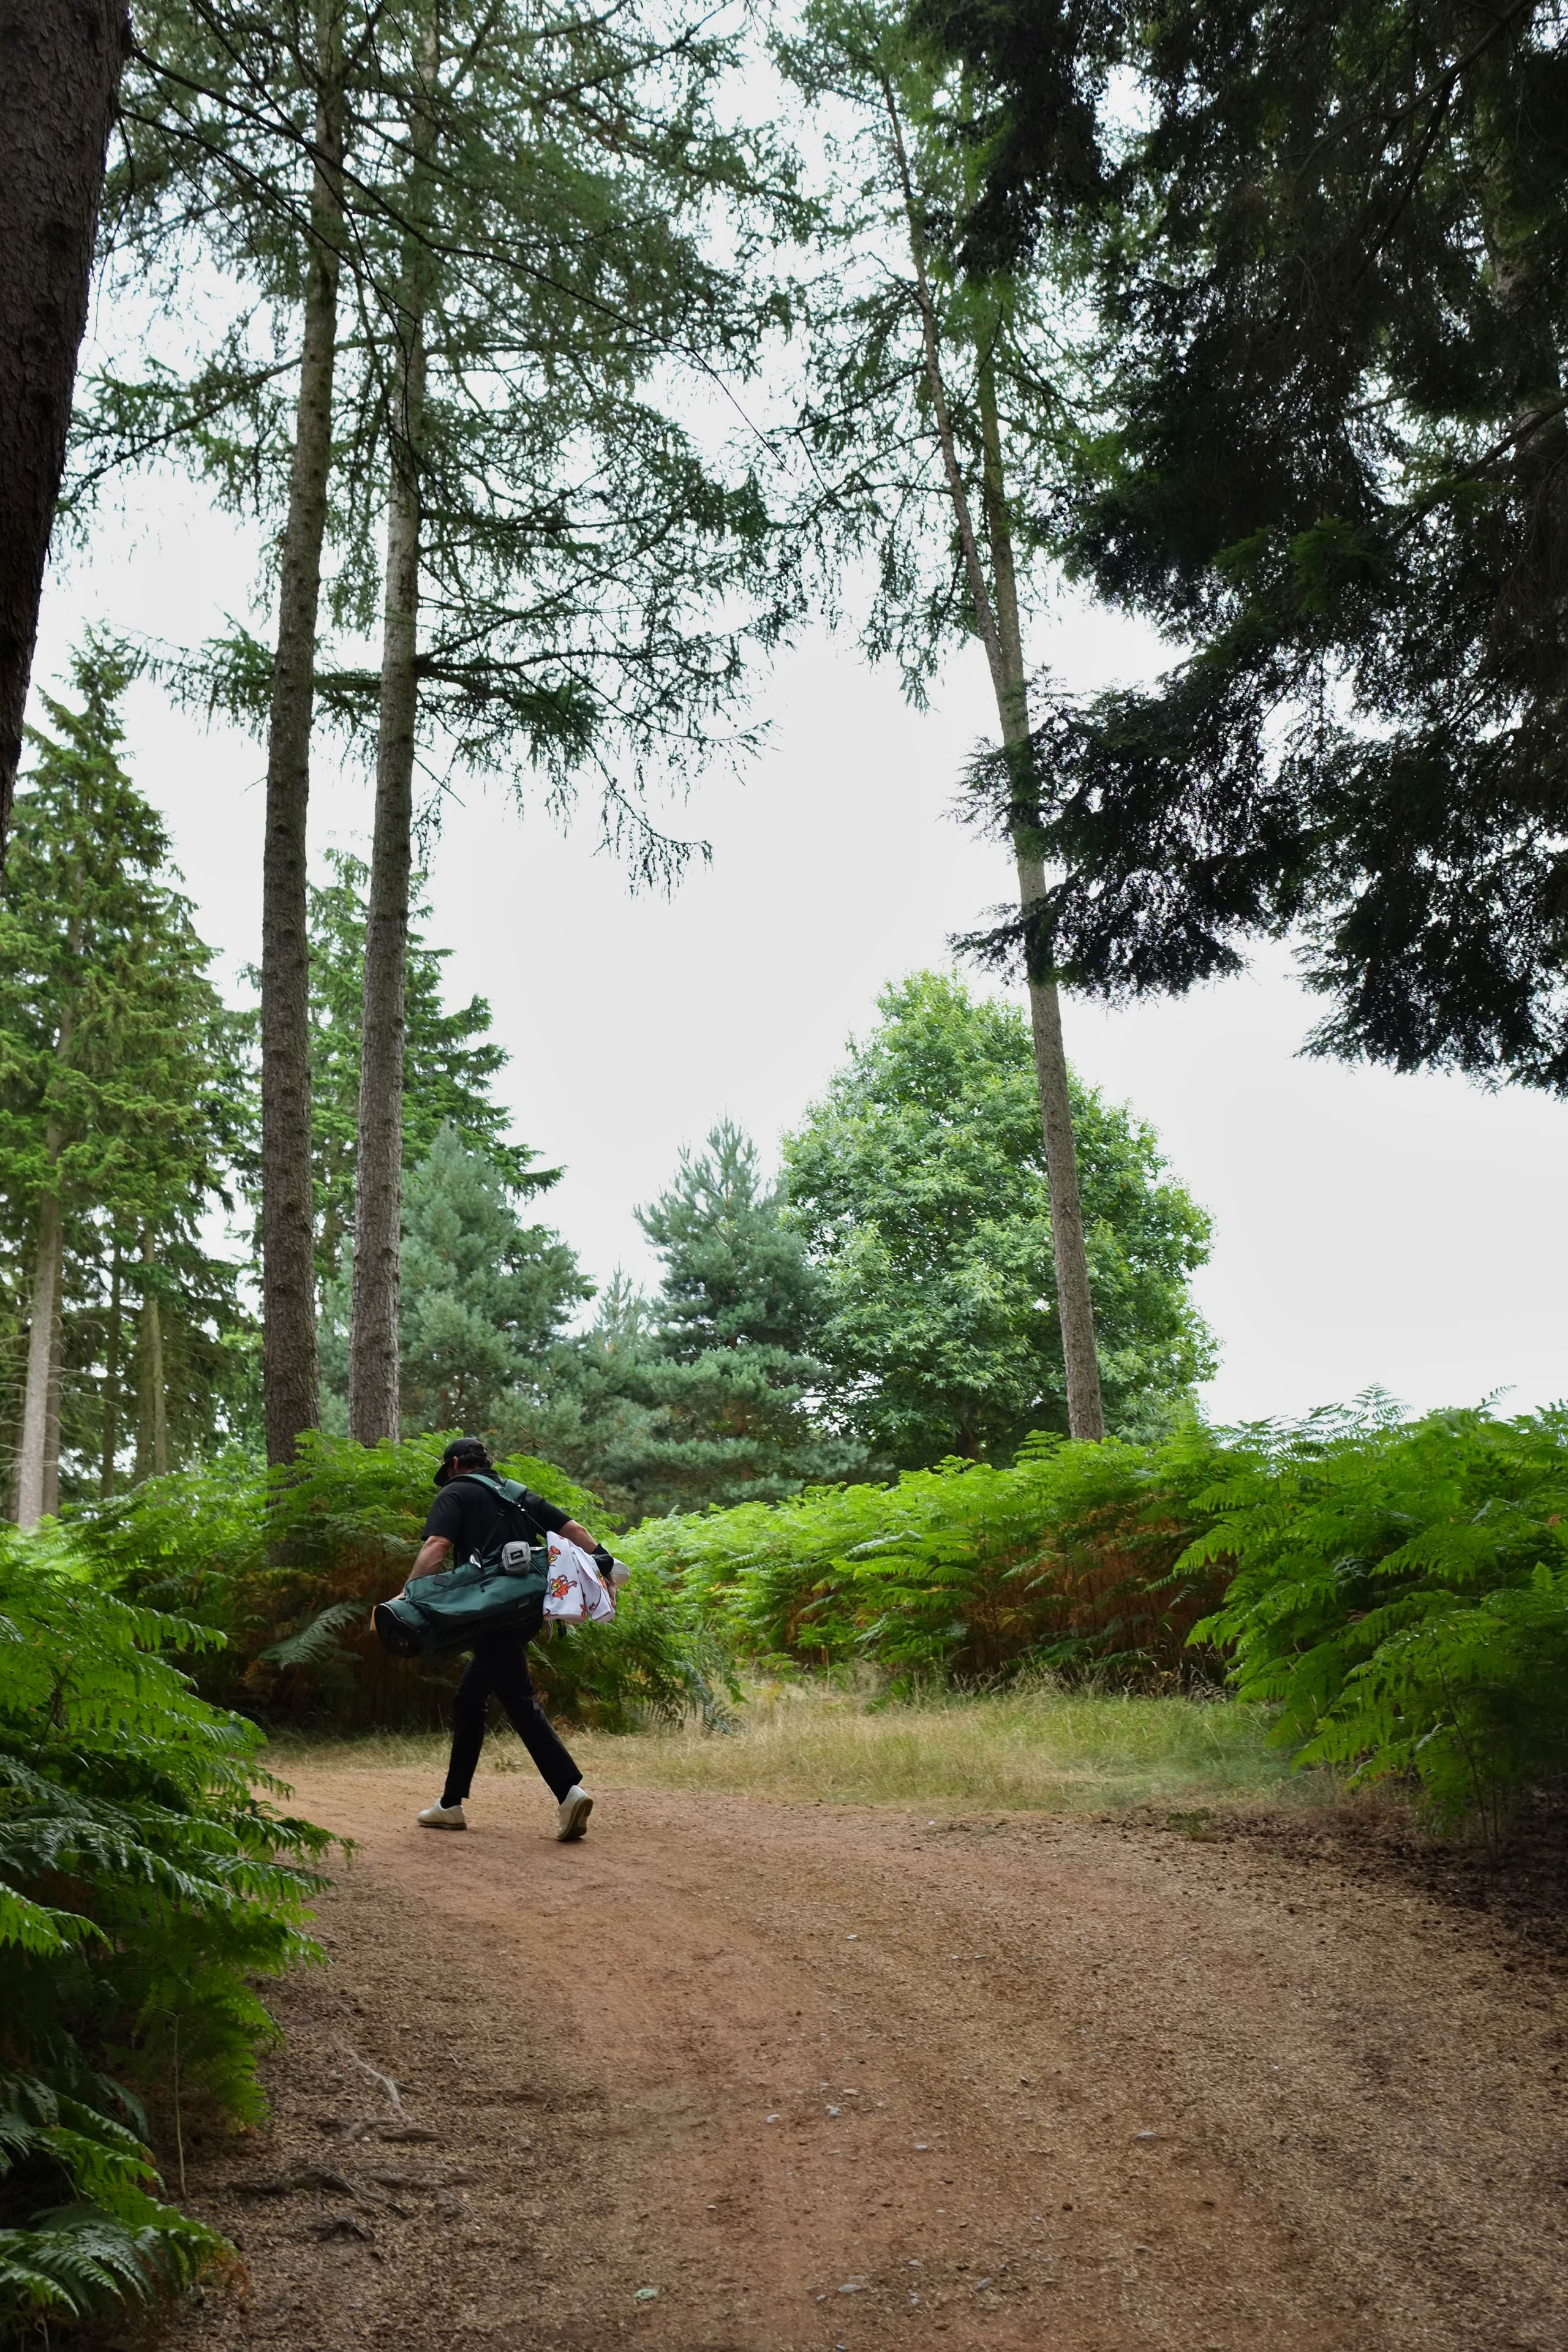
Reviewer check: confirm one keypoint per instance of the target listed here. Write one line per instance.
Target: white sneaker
(572, 1812)
(443, 1817)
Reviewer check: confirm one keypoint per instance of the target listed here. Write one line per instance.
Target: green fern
(287, 1563)
(1066, 1560)
(1401, 1591)
(85, 2263)
(146, 1881)
(318, 1641)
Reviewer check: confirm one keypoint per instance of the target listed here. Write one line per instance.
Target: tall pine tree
(510, 210)
(1328, 454)
(711, 1398)
(118, 1070)
(450, 1060)
(933, 425)
(62, 66)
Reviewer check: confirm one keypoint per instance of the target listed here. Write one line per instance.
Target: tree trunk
(152, 1419)
(291, 1375)
(996, 605)
(108, 1445)
(1075, 1307)
(41, 1399)
(60, 63)
(54, 1399)
(378, 1180)
(378, 1175)
(43, 1340)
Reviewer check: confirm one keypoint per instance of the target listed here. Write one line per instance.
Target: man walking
(468, 1518)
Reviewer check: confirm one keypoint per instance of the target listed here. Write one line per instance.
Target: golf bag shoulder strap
(510, 1495)
(507, 1489)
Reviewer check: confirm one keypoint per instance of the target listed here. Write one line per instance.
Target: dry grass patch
(1033, 1749)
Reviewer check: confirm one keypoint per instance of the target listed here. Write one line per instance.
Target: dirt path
(821, 2078)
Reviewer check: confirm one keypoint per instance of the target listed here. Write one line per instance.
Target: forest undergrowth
(1395, 1592)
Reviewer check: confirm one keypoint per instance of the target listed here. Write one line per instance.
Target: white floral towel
(575, 1591)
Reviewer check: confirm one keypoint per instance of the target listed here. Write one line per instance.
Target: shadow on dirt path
(736, 2076)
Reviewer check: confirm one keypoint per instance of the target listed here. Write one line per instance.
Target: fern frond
(318, 1639)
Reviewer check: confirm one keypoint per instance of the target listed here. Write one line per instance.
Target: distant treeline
(886, 1299)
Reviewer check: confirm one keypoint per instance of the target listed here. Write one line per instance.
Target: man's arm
(432, 1553)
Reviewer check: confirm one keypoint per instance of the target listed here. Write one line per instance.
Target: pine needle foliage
(287, 1563)
(1401, 1593)
(1322, 447)
(120, 1106)
(146, 1882)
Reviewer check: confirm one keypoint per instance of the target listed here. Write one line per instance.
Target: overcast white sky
(1369, 1228)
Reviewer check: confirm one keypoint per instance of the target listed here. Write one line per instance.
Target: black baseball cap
(463, 1454)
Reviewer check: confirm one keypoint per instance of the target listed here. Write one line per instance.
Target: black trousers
(500, 1664)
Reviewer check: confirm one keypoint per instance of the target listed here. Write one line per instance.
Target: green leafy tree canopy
(918, 1186)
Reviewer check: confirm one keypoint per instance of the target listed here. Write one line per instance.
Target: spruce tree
(450, 1060)
(483, 1298)
(118, 1069)
(721, 1382)
(584, 1406)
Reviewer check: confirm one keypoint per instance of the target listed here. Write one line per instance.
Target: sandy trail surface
(741, 2076)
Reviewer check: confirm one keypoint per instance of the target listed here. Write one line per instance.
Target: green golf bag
(502, 1591)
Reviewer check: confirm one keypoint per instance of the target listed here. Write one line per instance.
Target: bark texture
(995, 602)
(1075, 1307)
(39, 1461)
(153, 1412)
(43, 1341)
(378, 1185)
(290, 1373)
(54, 1396)
(114, 1341)
(1086, 1409)
(60, 63)
(378, 1177)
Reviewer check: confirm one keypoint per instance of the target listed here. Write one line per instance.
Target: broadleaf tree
(920, 1187)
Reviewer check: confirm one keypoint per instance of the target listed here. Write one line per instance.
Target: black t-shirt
(473, 1518)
